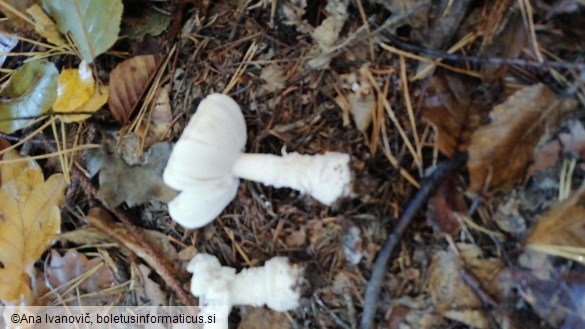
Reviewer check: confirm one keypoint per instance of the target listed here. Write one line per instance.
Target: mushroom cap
(209, 145)
(203, 202)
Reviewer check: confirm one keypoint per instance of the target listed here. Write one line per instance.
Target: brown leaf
(546, 157)
(63, 269)
(448, 291)
(563, 225)
(443, 206)
(128, 82)
(500, 151)
(505, 36)
(448, 105)
(263, 318)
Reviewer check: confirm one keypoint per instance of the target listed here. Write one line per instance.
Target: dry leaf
(161, 118)
(563, 225)
(500, 152)
(108, 231)
(29, 221)
(149, 292)
(63, 269)
(444, 205)
(121, 182)
(274, 78)
(128, 82)
(75, 87)
(326, 34)
(448, 105)
(472, 318)
(450, 295)
(263, 318)
(505, 36)
(45, 26)
(569, 143)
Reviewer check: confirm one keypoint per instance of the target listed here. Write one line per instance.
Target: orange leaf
(128, 82)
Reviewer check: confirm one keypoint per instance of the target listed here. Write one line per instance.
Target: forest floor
(401, 86)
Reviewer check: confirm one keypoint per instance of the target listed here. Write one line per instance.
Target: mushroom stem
(273, 284)
(326, 177)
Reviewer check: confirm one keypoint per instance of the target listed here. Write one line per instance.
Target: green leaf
(30, 92)
(93, 24)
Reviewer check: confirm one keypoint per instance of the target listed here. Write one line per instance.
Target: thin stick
(162, 267)
(428, 186)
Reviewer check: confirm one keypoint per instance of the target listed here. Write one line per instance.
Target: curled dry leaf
(500, 151)
(29, 221)
(128, 82)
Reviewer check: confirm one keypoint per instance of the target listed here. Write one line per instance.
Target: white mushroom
(273, 284)
(207, 161)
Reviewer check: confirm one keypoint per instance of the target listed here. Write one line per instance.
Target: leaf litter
(30, 222)
(300, 71)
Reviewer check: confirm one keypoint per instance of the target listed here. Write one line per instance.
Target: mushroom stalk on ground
(207, 162)
(273, 285)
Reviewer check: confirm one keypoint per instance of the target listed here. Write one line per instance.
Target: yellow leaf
(29, 220)
(76, 86)
(45, 26)
(94, 103)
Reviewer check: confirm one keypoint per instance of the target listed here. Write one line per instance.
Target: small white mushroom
(273, 284)
(207, 161)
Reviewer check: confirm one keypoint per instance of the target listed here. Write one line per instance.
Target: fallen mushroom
(207, 161)
(273, 285)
